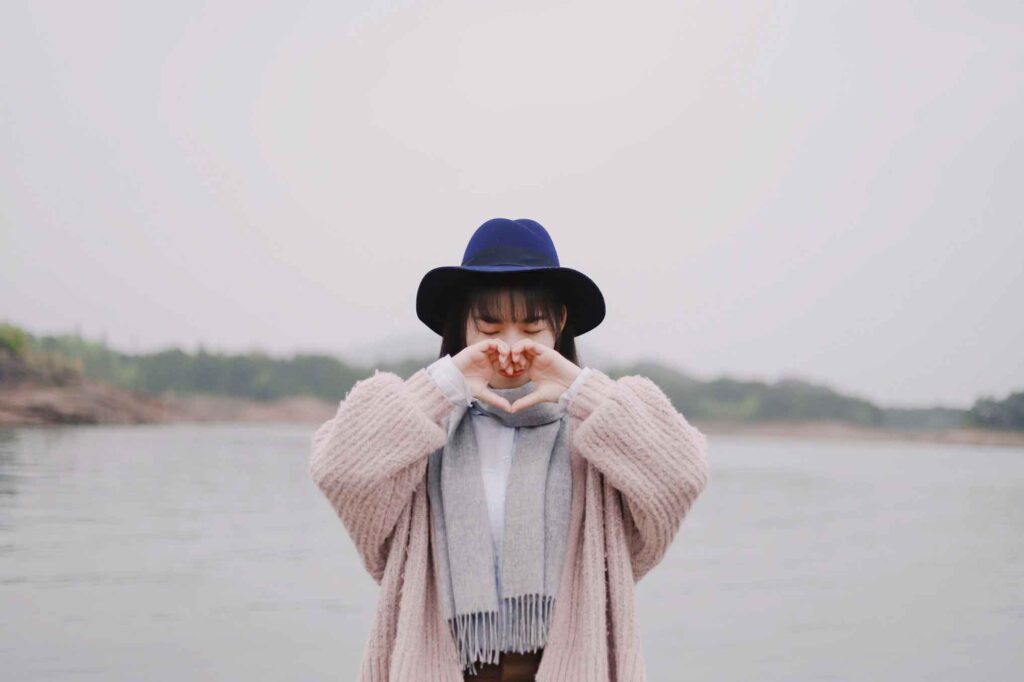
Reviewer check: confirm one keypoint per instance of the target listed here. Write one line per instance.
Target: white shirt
(494, 441)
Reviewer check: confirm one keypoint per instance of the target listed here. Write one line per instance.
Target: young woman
(506, 499)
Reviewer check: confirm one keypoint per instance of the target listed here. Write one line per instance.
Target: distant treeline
(999, 414)
(263, 377)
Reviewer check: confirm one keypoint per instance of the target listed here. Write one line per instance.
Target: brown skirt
(511, 667)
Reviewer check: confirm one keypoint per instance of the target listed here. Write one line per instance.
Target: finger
(508, 365)
(496, 351)
(523, 362)
(503, 352)
(493, 398)
(517, 350)
(516, 361)
(498, 346)
(528, 348)
(524, 355)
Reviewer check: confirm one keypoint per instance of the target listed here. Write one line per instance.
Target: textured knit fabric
(494, 440)
(483, 620)
(638, 466)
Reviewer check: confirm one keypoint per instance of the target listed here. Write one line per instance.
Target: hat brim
(585, 301)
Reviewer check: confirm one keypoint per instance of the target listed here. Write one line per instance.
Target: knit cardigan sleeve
(368, 459)
(648, 451)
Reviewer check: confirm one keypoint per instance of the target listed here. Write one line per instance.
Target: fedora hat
(501, 245)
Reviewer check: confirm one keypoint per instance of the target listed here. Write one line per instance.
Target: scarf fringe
(521, 624)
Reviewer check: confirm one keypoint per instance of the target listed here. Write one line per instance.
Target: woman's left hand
(550, 371)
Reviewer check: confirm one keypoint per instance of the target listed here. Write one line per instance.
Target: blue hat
(501, 245)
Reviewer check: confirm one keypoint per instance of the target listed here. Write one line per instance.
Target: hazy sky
(824, 190)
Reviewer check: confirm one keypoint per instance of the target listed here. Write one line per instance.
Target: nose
(512, 337)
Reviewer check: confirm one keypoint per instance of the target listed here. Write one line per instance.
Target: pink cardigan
(637, 468)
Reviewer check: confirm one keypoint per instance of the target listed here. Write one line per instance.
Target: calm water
(191, 552)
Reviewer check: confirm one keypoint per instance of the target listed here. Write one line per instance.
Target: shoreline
(833, 430)
(88, 402)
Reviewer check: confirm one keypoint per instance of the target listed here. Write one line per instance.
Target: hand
(479, 363)
(551, 372)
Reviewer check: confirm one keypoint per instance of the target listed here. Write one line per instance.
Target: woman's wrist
(450, 380)
(575, 385)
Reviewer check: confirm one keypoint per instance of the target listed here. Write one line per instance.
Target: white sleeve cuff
(574, 387)
(450, 380)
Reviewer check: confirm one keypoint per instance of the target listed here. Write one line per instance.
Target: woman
(506, 499)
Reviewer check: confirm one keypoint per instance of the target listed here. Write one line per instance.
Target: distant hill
(999, 414)
(262, 377)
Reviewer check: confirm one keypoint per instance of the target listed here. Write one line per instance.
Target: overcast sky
(826, 190)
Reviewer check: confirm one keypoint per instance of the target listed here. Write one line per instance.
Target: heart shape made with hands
(550, 371)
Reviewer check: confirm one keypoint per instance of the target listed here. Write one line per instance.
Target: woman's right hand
(479, 363)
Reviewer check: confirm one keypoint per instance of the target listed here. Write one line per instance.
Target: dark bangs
(529, 294)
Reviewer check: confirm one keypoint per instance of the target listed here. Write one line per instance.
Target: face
(480, 328)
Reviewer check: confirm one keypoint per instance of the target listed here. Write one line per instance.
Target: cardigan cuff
(428, 396)
(569, 393)
(451, 380)
(594, 390)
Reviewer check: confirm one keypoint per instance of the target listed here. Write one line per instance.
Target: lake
(205, 552)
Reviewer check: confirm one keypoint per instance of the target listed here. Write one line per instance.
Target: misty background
(820, 190)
